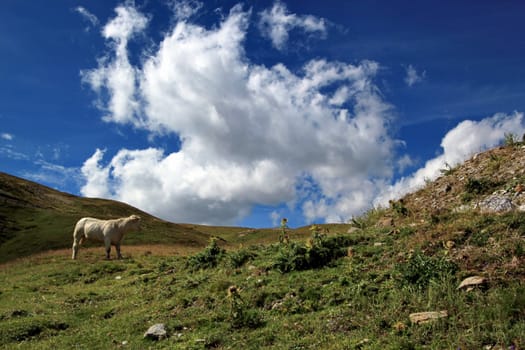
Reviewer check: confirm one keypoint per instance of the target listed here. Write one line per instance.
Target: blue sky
(227, 112)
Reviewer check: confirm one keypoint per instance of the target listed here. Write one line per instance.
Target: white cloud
(116, 73)
(184, 9)
(460, 143)
(317, 138)
(413, 77)
(7, 136)
(97, 177)
(91, 18)
(277, 22)
(250, 134)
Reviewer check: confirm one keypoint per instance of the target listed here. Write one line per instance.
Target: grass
(361, 301)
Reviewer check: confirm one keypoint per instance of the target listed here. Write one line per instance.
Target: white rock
(472, 281)
(495, 203)
(425, 317)
(156, 332)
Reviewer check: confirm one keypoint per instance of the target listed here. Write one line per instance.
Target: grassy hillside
(344, 288)
(35, 218)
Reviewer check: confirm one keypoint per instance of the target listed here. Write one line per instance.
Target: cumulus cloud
(459, 144)
(413, 77)
(251, 134)
(277, 22)
(115, 72)
(316, 139)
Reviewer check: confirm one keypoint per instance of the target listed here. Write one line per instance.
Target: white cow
(110, 232)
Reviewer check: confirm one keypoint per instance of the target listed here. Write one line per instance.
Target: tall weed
(208, 258)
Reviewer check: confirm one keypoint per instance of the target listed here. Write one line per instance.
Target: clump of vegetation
(240, 315)
(240, 257)
(475, 187)
(420, 269)
(208, 258)
(399, 207)
(320, 251)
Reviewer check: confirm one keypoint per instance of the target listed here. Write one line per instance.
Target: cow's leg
(76, 244)
(117, 247)
(77, 241)
(107, 243)
(75, 249)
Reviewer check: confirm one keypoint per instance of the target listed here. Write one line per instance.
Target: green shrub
(292, 257)
(480, 186)
(321, 251)
(480, 238)
(420, 269)
(240, 257)
(476, 187)
(399, 208)
(208, 258)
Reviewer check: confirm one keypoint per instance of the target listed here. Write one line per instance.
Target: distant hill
(35, 218)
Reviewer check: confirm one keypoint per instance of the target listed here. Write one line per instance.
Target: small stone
(156, 332)
(472, 281)
(425, 317)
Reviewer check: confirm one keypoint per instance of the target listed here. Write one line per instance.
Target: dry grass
(95, 254)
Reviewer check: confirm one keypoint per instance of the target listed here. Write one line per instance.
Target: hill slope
(35, 218)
